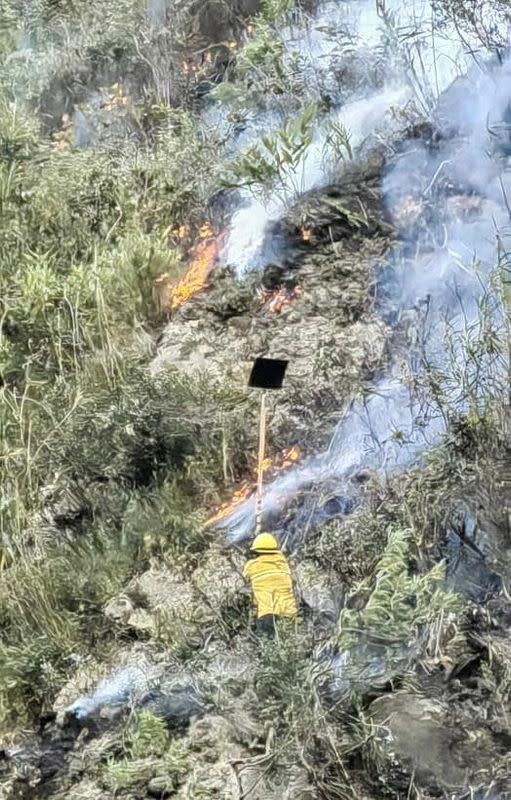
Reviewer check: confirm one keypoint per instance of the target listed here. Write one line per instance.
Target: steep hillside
(185, 187)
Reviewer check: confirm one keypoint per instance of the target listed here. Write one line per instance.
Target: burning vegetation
(102, 437)
(204, 254)
(271, 467)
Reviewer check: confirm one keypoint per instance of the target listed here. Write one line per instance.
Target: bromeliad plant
(399, 605)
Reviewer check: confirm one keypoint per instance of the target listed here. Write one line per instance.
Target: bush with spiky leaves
(148, 753)
(398, 605)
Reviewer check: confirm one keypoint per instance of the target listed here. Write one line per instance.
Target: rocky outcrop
(328, 331)
(418, 734)
(154, 599)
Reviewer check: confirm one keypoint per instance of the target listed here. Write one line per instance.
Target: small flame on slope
(179, 232)
(271, 467)
(275, 301)
(286, 459)
(305, 234)
(204, 255)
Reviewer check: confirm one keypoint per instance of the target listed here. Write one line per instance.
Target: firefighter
(272, 587)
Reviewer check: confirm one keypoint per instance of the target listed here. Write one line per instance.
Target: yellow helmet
(264, 542)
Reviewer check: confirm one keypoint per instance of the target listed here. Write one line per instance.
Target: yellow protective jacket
(272, 587)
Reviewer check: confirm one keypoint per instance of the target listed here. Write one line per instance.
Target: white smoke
(418, 66)
(157, 12)
(363, 117)
(448, 263)
(123, 687)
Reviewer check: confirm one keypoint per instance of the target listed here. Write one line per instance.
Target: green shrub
(51, 608)
(284, 677)
(398, 603)
(147, 735)
(117, 461)
(126, 774)
(350, 546)
(177, 762)
(276, 161)
(149, 753)
(166, 520)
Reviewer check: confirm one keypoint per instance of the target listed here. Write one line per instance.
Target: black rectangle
(268, 373)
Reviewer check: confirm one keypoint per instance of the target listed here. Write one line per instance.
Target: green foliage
(262, 66)
(398, 602)
(83, 234)
(59, 39)
(166, 520)
(180, 636)
(350, 547)
(117, 461)
(112, 430)
(263, 52)
(230, 94)
(121, 775)
(148, 753)
(9, 31)
(497, 675)
(284, 677)
(147, 735)
(278, 160)
(178, 761)
(276, 11)
(102, 465)
(48, 606)
(232, 614)
(338, 141)
(19, 135)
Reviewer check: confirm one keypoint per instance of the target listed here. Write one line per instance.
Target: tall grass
(101, 465)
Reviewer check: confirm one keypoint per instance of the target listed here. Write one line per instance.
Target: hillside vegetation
(125, 423)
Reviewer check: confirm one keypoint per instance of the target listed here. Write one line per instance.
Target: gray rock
(159, 787)
(370, 666)
(468, 571)
(85, 790)
(155, 598)
(217, 578)
(416, 732)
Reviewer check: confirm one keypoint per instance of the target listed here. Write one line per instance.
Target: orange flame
(179, 232)
(286, 459)
(204, 255)
(305, 234)
(224, 510)
(271, 467)
(275, 301)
